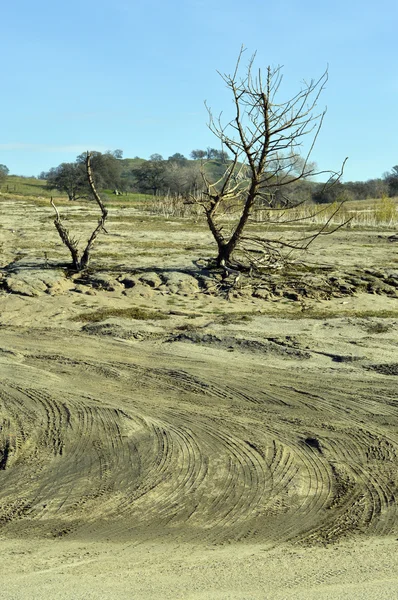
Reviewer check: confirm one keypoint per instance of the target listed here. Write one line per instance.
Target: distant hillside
(26, 186)
(214, 168)
(32, 186)
(131, 163)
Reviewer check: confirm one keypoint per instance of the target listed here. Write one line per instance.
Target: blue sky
(134, 75)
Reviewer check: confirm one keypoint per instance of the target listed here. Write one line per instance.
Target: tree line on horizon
(179, 175)
(176, 175)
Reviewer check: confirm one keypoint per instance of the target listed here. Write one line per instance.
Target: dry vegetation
(376, 213)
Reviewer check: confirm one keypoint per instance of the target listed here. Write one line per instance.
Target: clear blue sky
(133, 75)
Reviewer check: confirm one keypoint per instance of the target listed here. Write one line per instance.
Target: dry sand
(230, 450)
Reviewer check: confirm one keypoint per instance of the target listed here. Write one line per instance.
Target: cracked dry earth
(209, 454)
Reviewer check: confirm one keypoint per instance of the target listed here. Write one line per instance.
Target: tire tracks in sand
(125, 447)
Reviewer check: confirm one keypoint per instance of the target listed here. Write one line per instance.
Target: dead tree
(81, 260)
(271, 143)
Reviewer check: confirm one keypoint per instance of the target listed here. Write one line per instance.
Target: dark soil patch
(232, 343)
(384, 368)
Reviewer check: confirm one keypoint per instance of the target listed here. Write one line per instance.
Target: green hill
(27, 186)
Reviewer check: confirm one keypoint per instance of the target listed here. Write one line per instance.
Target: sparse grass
(378, 328)
(235, 318)
(314, 313)
(36, 200)
(187, 327)
(135, 312)
(126, 197)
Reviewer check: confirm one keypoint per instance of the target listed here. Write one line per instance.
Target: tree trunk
(225, 251)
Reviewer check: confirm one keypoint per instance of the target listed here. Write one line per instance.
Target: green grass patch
(130, 199)
(26, 186)
(135, 312)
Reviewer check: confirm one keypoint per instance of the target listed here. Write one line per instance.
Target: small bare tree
(81, 260)
(271, 143)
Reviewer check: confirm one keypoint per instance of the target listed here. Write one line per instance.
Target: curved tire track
(163, 451)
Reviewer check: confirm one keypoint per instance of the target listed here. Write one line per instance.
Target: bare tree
(271, 143)
(81, 260)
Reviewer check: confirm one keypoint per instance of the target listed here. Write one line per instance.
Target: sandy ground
(82, 571)
(233, 449)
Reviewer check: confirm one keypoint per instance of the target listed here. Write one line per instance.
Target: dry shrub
(377, 213)
(172, 205)
(385, 212)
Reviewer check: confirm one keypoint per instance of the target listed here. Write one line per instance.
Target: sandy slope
(232, 465)
(201, 456)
